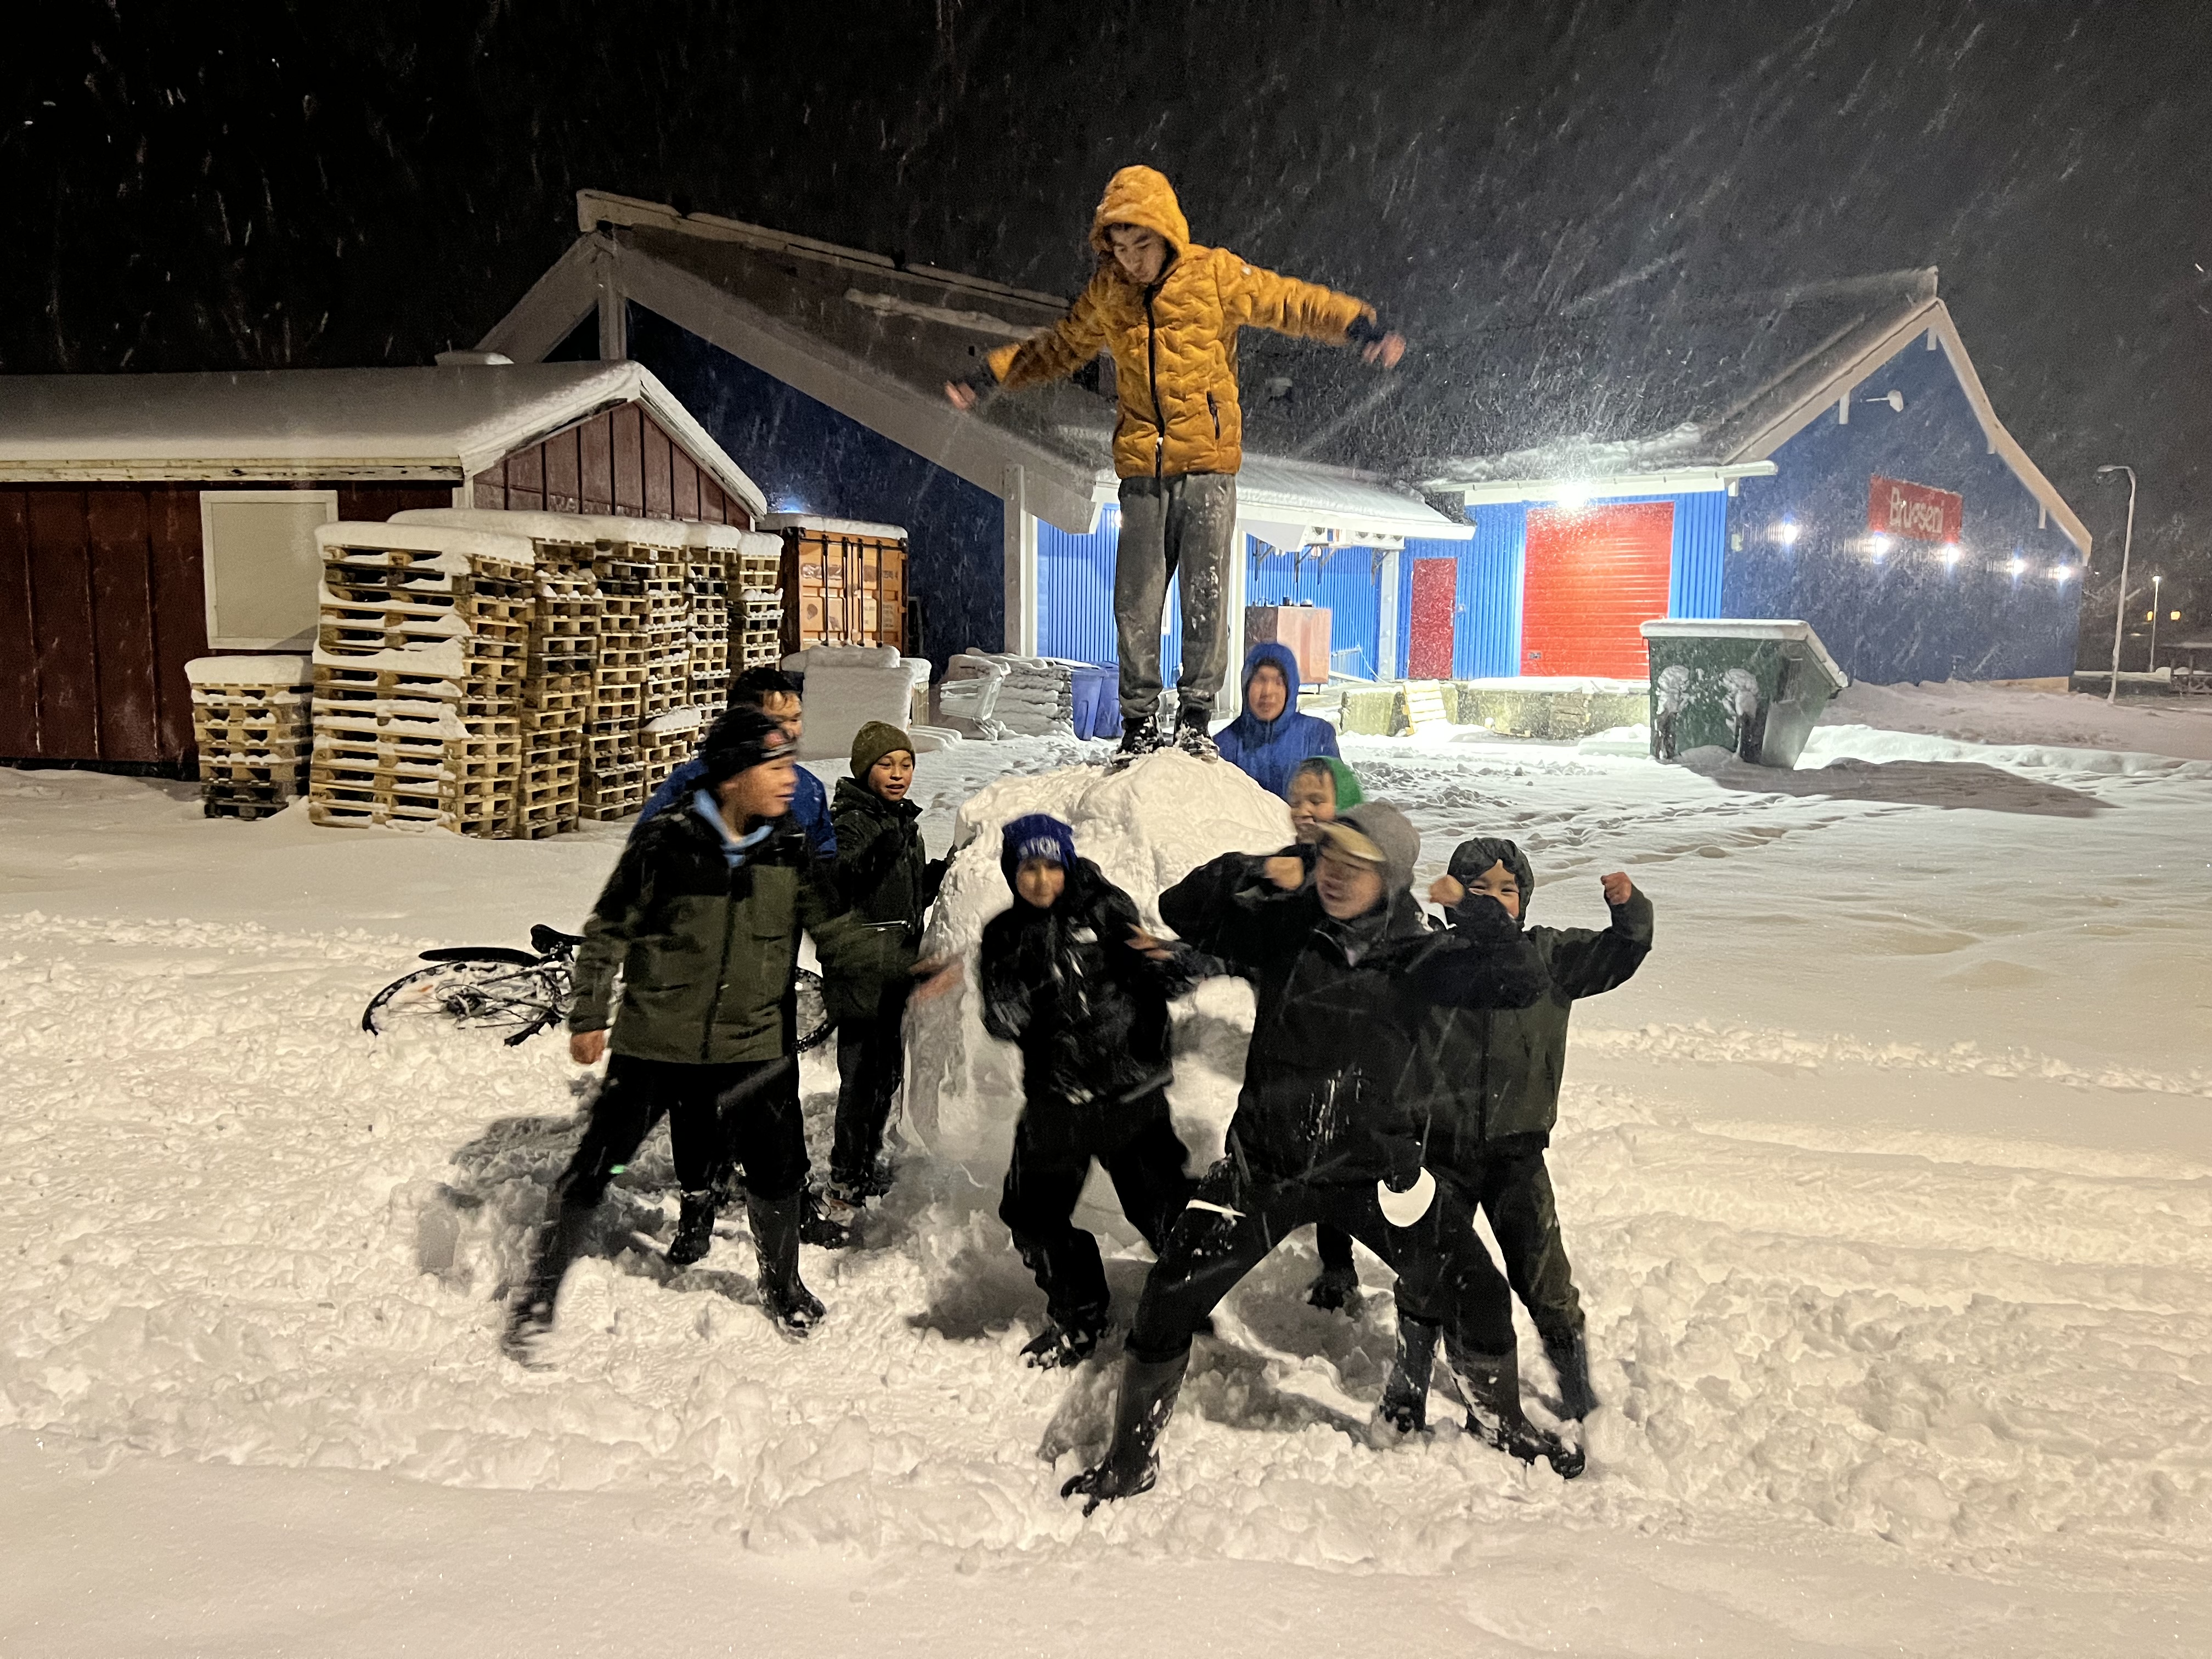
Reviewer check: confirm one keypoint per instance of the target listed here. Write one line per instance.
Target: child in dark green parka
(884, 876)
(1501, 1070)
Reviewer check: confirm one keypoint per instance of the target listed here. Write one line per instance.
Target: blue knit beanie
(1035, 835)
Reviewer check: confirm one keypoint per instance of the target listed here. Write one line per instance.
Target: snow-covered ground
(1888, 1181)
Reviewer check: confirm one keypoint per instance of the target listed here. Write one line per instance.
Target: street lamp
(2155, 580)
(2120, 608)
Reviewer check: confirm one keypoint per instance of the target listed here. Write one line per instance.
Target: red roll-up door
(1435, 592)
(1593, 575)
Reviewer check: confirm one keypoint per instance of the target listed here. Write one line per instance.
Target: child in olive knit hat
(888, 881)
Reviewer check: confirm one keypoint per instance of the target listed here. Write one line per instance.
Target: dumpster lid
(1745, 627)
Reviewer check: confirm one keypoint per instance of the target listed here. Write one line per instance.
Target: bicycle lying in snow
(496, 988)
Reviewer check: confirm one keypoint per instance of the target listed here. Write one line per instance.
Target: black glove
(1482, 918)
(1365, 331)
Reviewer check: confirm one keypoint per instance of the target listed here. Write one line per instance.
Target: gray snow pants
(1189, 523)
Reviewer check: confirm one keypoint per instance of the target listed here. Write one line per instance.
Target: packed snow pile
(1146, 827)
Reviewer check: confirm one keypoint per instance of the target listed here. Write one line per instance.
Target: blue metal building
(1783, 485)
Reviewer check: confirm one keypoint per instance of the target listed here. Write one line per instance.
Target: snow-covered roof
(877, 340)
(1782, 629)
(832, 527)
(440, 423)
(379, 537)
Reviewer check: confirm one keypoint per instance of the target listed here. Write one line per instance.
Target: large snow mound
(1146, 827)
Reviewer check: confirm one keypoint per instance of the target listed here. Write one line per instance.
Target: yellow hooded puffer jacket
(1175, 343)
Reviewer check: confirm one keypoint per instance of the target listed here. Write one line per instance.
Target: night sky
(244, 185)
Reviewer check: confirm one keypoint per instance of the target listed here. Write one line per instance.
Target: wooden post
(1021, 568)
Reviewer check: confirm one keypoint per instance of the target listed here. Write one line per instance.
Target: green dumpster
(1752, 685)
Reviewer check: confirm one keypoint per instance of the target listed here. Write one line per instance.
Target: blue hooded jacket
(1268, 751)
(810, 804)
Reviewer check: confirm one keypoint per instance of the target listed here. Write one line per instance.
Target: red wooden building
(146, 520)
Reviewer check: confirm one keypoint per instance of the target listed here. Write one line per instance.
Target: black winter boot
(1139, 738)
(775, 1237)
(695, 1229)
(825, 1220)
(529, 1315)
(1064, 1341)
(1193, 733)
(1490, 1385)
(1405, 1405)
(1147, 1399)
(1334, 1289)
(1570, 1357)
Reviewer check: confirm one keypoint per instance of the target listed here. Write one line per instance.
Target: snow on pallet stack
(1036, 699)
(756, 579)
(418, 675)
(250, 725)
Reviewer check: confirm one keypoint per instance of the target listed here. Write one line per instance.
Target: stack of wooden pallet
(756, 568)
(250, 723)
(614, 773)
(556, 689)
(667, 628)
(418, 673)
(707, 587)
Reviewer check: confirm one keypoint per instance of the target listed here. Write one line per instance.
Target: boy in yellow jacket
(1169, 310)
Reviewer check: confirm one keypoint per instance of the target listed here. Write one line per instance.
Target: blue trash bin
(1085, 701)
(1105, 702)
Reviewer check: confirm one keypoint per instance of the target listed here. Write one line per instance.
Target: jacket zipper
(1152, 376)
(721, 980)
(1214, 409)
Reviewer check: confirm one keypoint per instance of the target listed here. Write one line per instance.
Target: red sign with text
(1914, 511)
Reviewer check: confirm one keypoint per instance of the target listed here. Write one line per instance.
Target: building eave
(1598, 486)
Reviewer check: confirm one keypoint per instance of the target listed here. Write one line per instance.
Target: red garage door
(1593, 574)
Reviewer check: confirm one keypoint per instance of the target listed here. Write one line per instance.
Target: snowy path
(1889, 1183)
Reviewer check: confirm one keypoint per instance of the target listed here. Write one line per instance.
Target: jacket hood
(1267, 653)
(1471, 857)
(1142, 196)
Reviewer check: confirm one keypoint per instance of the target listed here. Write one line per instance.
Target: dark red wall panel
(61, 627)
(1593, 575)
(563, 489)
(630, 460)
(659, 502)
(595, 450)
(18, 680)
(177, 577)
(122, 625)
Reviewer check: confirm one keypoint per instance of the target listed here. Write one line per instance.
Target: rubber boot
(1405, 1405)
(1192, 734)
(530, 1316)
(1146, 1401)
(1490, 1386)
(1066, 1340)
(1570, 1357)
(775, 1237)
(695, 1229)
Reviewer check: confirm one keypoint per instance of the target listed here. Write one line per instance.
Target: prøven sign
(1914, 511)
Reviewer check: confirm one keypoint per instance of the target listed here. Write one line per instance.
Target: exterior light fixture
(1574, 495)
(1787, 533)
(1894, 399)
(2062, 573)
(1878, 548)
(1950, 554)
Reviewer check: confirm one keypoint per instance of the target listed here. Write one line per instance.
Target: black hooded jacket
(1089, 1012)
(1500, 1068)
(1335, 1088)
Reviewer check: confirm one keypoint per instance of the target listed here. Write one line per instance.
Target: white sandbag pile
(1037, 697)
(849, 685)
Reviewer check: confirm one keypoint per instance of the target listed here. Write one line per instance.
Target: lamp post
(2120, 608)
(2154, 581)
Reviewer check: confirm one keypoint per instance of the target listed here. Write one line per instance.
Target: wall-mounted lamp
(1878, 548)
(1950, 554)
(1787, 533)
(1894, 399)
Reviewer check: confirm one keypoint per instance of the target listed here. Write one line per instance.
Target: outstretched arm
(1054, 354)
(1586, 963)
(1254, 297)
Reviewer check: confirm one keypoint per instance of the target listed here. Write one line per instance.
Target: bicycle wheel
(813, 1022)
(479, 995)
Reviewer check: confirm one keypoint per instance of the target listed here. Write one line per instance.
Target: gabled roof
(876, 341)
(442, 423)
(1683, 396)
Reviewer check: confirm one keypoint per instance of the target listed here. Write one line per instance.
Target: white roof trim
(436, 424)
(1600, 486)
(1933, 317)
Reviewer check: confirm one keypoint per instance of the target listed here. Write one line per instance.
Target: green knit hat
(872, 742)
